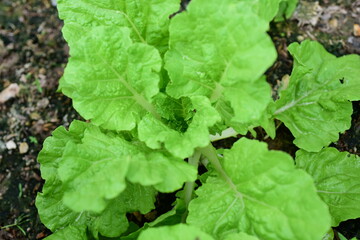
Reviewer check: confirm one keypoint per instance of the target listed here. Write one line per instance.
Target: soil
(33, 55)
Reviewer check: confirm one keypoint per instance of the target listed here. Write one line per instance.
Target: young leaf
(110, 79)
(336, 176)
(176, 232)
(181, 144)
(258, 194)
(221, 56)
(147, 19)
(315, 105)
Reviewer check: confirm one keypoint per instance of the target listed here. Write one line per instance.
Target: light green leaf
(73, 232)
(251, 106)
(181, 144)
(53, 148)
(259, 195)
(166, 173)
(336, 176)
(111, 222)
(266, 9)
(202, 62)
(286, 9)
(176, 232)
(94, 171)
(239, 236)
(147, 19)
(56, 215)
(315, 105)
(110, 79)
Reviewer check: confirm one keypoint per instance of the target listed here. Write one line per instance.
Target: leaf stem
(210, 153)
(189, 186)
(147, 105)
(229, 132)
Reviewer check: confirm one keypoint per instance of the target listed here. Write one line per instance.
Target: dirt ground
(33, 55)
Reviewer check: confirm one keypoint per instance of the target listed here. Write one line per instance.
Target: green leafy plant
(157, 91)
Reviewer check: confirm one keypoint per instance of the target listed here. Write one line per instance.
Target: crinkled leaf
(111, 222)
(259, 195)
(53, 148)
(110, 79)
(176, 113)
(219, 57)
(181, 144)
(95, 170)
(337, 179)
(56, 215)
(176, 232)
(147, 19)
(315, 105)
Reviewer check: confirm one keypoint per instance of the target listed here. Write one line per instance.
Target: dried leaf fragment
(23, 147)
(356, 30)
(11, 91)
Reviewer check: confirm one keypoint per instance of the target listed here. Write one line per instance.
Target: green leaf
(76, 233)
(315, 105)
(266, 9)
(181, 144)
(336, 176)
(94, 171)
(56, 215)
(166, 173)
(52, 151)
(202, 62)
(111, 222)
(286, 9)
(259, 195)
(255, 97)
(147, 19)
(176, 232)
(240, 236)
(110, 79)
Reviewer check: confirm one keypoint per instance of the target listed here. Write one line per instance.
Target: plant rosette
(156, 91)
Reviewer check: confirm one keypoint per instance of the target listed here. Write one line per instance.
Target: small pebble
(10, 145)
